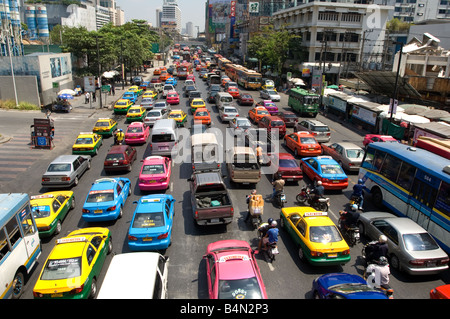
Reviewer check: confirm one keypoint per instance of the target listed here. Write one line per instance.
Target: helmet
(273, 223)
(319, 183)
(382, 261)
(382, 239)
(120, 130)
(269, 221)
(254, 192)
(360, 181)
(354, 207)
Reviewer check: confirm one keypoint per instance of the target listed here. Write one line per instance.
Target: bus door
(30, 235)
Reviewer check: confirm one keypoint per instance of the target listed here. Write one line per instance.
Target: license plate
(335, 182)
(115, 164)
(59, 295)
(164, 148)
(98, 211)
(215, 220)
(151, 182)
(290, 179)
(147, 239)
(332, 255)
(311, 149)
(134, 137)
(431, 264)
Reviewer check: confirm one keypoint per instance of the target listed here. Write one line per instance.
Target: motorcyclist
(247, 199)
(377, 249)
(271, 236)
(349, 218)
(378, 274)
(358, 191)
(119, 136)
(317, 192)
(278, 185)
(262, 229)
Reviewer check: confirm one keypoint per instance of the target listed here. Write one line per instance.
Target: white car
(240, 124)
(167, 88)
(228, 113)
(155, 114)
(270, 95)
(147, 103)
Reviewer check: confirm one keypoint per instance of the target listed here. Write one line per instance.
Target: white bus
(20, 246)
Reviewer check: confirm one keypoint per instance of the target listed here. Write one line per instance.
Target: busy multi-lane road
(287, 277)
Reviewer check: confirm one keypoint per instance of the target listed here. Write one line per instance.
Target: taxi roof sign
(42, 196)
(151, 200)
(68, 240)
(315, 214)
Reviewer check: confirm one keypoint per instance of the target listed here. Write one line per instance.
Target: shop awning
(383, 82)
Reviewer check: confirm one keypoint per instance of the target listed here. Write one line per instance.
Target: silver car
(65, 170)
(320, 130)
(240, 124)
(410, 247)
(147, 103)
(270, 95)
(228, 113)
(162, 105)
(348, 155)
(155, 114)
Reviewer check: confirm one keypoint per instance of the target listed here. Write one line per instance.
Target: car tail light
(196, 215)
(37, 294)
(85, 211)
(351, 164)
(132, 238)
(163, 236)
(444, 261)
(417, 262)
(163, 179)
(45, 179)
(316, 253)
(325, 180)
(77, 290)
(232, 211)
(346, 252)
(110, 209)
(65, 179)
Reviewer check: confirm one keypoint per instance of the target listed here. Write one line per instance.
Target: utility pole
(99, 70)
(395, 95)
(362, 49)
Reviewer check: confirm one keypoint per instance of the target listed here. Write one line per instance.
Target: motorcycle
(354, 200)
(280, 198)
(371, 282)
(350, 232)
(305, 196)
(256, 210)
(272, 251)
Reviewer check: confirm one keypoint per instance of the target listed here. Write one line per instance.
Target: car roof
(285, 156)
(347, 145)
(152, 203)
(65, 158)
(103, 183)
(117, 149)
(405, 225)
(154, 159)
(316, 122)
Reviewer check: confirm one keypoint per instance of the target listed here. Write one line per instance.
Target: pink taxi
(155, 173)
(270, 106)
(173, 98)
(137, 133)
(232, 271)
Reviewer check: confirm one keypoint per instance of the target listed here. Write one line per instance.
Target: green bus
(304, 102)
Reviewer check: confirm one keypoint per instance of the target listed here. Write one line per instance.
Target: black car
(188, 89)
(194, 95)
(137, 80)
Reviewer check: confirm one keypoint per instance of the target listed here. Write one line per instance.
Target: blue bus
(20, 246)
(411, 182)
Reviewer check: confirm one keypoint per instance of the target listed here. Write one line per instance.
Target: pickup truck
(243, 166)
(211, 203)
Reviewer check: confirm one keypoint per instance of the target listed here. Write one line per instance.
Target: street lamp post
(99, 70)
(394, 98)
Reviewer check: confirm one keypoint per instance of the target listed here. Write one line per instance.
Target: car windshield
(355, 153)
(100, 196)
(331, 169)
(247, 288)
(262, 112)
(287, 163)
(148, 220)
(153, 114)
(160, 105)
(290, 115)
(243, 123)
(102, 124)
(121, 103)
(307, 140)
(147, 100)
(277, 123)
(168, 87)
(230, 110)
(270, 105)
(175, 115)
(40, 211)
(351, 288)
(197, 103)
(172, 95)
(59, 168)
(271, 92)
(56, 269)
(419, 242)
(320, 128)
(136, 129)
(201, 113)
(134, 111)
(153, 169)
(324, 234)
(84, 140)
(114, 157)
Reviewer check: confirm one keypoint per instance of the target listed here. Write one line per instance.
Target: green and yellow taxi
(150, 93)
(49, 210)
(197, 103)
(179, 116)
(122, 106)
(136, 89)
(105, 126)
(318, 239)
(136, 113)
(87, 143)
(73, 266)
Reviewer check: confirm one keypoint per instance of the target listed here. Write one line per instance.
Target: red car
(155, 80)
(272, 122)
(190, 77)
(289, 118)
(119, 158)
(172, 98)
(288, 168)
(232, 271)
(245, 99)
(234, 92)
(370, 138)
(137, 133)
(441, 292)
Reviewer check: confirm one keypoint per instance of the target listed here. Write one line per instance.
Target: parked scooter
(305, 196)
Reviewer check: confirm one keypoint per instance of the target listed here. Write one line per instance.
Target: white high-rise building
(190, 29)
(171, 16)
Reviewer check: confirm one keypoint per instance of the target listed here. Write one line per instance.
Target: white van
(205, 154)
(137, 275)
(164, 137)
(223, 99)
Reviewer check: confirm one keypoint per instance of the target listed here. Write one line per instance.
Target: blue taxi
(106, 199)
(172, 80)
(325, 169)
(151, 226)
(131, 96)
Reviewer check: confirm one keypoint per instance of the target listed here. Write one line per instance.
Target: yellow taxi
(318, 238)
(136, 89)
(105, 126)
(122, 106)
(74, 265)
(150, 93)
(49, 210)
(136, 113)
(179, 116)
(196, 104)
(87, 143)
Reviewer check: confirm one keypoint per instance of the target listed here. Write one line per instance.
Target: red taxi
(303, 143)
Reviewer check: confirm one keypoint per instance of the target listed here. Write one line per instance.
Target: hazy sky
(191, 11)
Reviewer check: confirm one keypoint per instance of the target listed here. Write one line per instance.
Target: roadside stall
(432, 129)
(336, 103)
(365, 114)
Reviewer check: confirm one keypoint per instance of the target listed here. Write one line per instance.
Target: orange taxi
(164, 76)
(234, 92)
(225, 81)
(257, 113)
(202, 116)
(303, 143)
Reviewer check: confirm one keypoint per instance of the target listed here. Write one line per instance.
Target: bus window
(4, 247)
(406, 176)
(443, 199)
(378, 160)
(28, 226)
(12, 228)
(390, 168)
(424, 193)
(368, 159)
